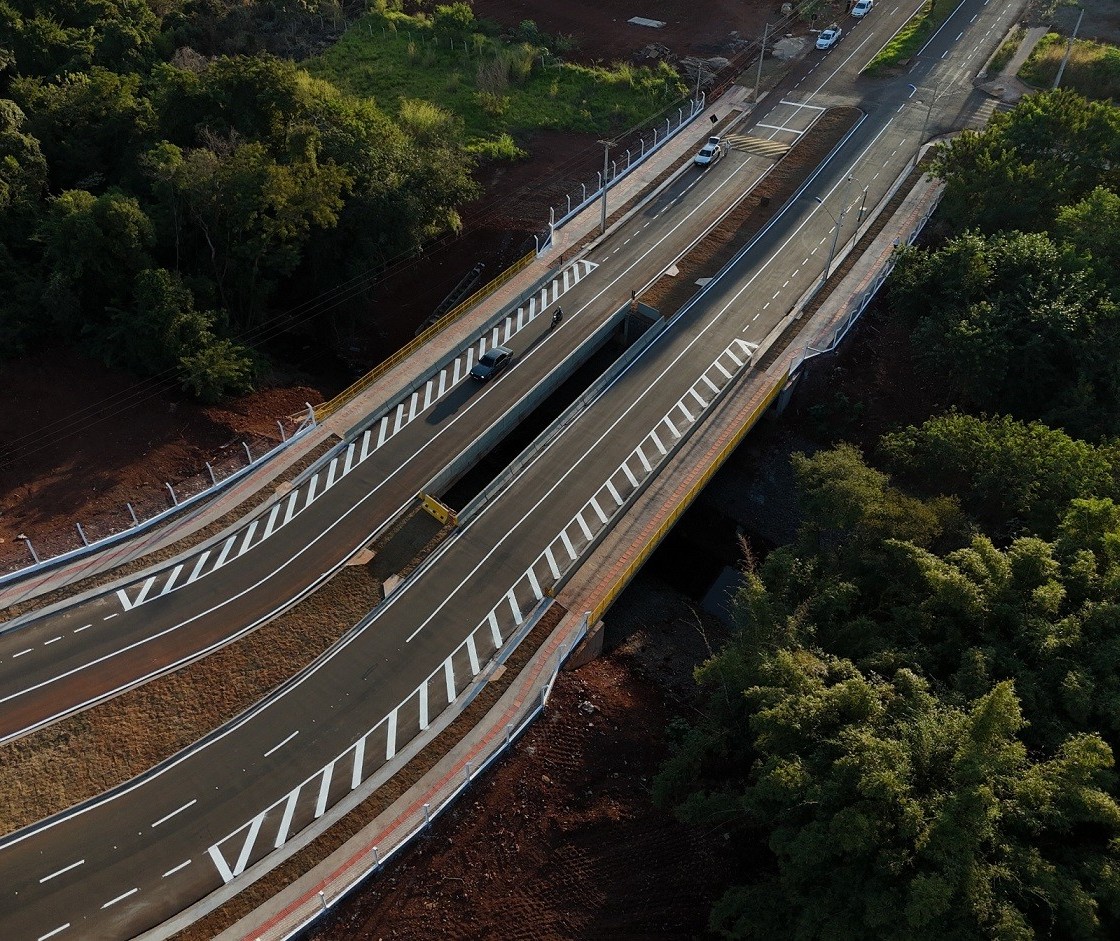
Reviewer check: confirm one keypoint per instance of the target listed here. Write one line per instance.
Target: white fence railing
(140, 525)
(630, 159)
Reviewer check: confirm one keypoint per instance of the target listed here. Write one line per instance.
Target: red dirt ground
(602, 32)
(561, 839)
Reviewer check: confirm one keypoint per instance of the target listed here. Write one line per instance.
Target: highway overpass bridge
(197, 826)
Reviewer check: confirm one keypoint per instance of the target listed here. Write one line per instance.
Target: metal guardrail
(878, 278)
(349, 394)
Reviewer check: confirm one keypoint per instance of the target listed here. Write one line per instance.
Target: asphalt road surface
(130, 860)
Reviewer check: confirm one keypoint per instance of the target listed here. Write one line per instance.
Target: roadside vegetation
(165, 179)
(1093, 69)
(495, 84)
(912, 732)
(1006, 50)
(911, 37)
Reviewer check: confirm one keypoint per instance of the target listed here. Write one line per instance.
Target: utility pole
(761, 56)
(606, 167)
(1069, 49)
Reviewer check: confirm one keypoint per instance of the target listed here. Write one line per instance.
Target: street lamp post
(839, 220)
(606, 165)
(934, 96)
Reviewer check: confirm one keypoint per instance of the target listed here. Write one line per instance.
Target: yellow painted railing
(670, 521)
(350, 393)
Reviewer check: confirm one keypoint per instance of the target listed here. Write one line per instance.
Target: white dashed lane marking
(173, 813)
(120, 898)
(282, 744)
(61, 871)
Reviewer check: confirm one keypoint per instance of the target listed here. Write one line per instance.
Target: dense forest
(912, 731)
(167, 180)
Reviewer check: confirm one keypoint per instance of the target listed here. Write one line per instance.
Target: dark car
(492, 362)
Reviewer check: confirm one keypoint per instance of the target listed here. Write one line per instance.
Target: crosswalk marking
(286, 820)
(324, 791)
(472, 655)
(759, 146)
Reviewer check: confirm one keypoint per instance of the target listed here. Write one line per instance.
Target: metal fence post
(642, 141)
(376, 857)
(569, 204)
(82, 533)
(30, 548)
(552, 215)
(666, 127)
(283, 434)
(584, 199)
(310, 413)
(468, 772)
(427, 815)
(509, 734)
(213, 479)
(132, 513)
(323, 900)
(171, 490)
(248, 453)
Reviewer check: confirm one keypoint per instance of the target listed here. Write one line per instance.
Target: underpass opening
(596, 361)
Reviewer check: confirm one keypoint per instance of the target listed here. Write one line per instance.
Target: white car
(709, 153)
(863, 7)
(829, 37)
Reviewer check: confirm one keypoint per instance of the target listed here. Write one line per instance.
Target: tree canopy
(220, 180)
(922, 738)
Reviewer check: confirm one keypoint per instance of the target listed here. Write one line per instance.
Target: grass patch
(1006, 50)
(496, 87)
(1093, 69)
(911, 37)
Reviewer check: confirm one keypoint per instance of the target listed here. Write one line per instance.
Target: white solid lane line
(164, 819)
(61, 871)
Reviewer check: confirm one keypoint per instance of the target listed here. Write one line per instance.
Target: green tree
(89, 124)
(93, 247)
(1009, 474)
(1090, 228)
(842, 496)
(1013, 323)
(253, 217)
(1049, 151)
(70, 36)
